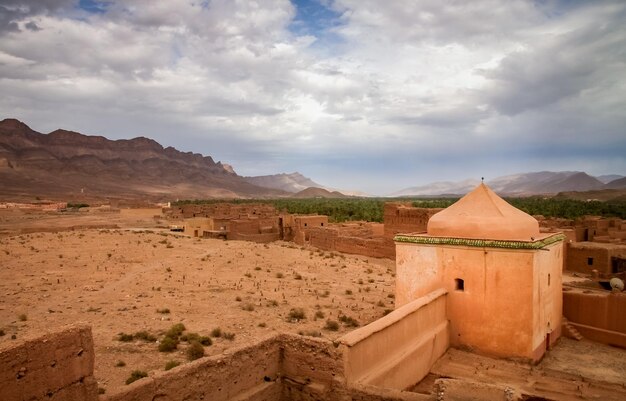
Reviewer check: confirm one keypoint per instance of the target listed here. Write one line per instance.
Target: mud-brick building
(502, 276)
(606, 258)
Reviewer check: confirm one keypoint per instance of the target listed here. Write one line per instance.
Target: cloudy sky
(356, 94)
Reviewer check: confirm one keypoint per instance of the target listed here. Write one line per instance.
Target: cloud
(348, 86)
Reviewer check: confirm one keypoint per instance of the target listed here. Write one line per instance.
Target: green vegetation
(371, 209)
(171, 364)
(195, 351)
(136, 375)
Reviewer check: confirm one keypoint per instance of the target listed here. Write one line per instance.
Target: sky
(355, 94)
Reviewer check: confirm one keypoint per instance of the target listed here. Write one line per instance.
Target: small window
(590, 261)
(322, 224)
(305, 224)
(548, 279)
(459, 284)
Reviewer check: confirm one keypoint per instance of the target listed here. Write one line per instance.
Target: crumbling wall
(56, 366)
(585, 257)
(402, 218)
(398, 350)
(598, 316)
(245, 374)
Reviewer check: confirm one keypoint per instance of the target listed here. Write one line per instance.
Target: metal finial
(482, 179)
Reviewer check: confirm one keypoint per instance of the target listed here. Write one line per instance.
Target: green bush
(331, 325)
(296, 314)
(195, 351)
(171, 364)
(136, 375)
(168, 344)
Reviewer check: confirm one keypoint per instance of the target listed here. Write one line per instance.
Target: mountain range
(65, 164)
(523, 184)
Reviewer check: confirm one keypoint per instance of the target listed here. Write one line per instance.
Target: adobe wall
(598, 316)
(498, 297)
(585, 257)
(402, 218)
(398, 350)
(548, 298)
(245, 373)
(55, 366)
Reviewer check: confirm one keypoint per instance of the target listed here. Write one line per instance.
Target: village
(401, 324)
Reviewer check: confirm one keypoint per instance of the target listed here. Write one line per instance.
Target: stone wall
(398, 350)
(56, 366)
(598, 316)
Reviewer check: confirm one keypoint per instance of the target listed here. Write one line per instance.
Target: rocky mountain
(314, 192)
(69, 164)
(293, 182)
(523, 184)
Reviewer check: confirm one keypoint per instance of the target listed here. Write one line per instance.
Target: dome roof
(482, 214)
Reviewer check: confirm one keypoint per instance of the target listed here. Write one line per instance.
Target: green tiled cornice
(480, 243)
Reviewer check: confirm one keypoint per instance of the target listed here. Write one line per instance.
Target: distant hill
(69, 165)
(293, 182)
(608, 178)
(439, 188)
(318, 193)
(523, 184)
(619, 183)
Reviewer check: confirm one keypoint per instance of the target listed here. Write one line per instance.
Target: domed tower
(502, 275)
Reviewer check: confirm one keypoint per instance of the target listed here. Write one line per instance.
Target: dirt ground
(571, 370)
(141, 278)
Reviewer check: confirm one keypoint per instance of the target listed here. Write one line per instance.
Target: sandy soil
(572, 370)
(122, 280)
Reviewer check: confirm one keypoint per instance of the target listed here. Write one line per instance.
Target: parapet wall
(245, 374)
(598, 316)
(398, 350)
(56, 366)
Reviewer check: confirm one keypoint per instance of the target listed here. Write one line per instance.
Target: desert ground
(126, 273)
(58, 269)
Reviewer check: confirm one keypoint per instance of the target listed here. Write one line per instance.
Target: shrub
(319, 314)
(216, 332)
(331, 325)
(145, 336)
(22, 317)
(171, 364)
(279, 275)
(124, 337)
(164, 311)
(136, 375)
(348, 292)
(229, 336)
(195, 351)
(168, 344)
(120, 364)
(247, 307)
(2, 333)
(296, 314)
(175, 331)
(348, 321)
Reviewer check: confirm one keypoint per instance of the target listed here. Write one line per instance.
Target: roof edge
(480, 243)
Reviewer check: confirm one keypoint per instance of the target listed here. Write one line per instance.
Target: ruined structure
(606, 259)
(481, 277)
(502, 276)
